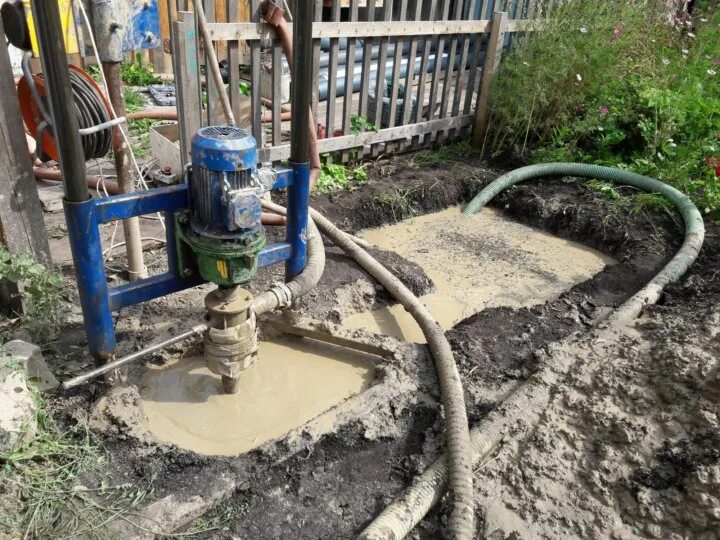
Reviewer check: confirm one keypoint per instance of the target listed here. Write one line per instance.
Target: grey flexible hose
(284, 295)
(457, 432)
(526, 403)
(457, 436)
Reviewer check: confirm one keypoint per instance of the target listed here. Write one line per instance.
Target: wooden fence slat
(370, 138)
(349, 77)
(332, 76)
(460, 79)
(397, 61)
(187, 84)
(362, 30)
(255, 80)
(410, 78)
(492, 61)
(213, 96)
(474, 65)
(233, 14)
(381, 68)
(439, 51)
(424, 65)
(448, 80)
(316, 65)
(366, 65)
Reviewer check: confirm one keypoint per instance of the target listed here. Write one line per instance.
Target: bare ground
(628, 448)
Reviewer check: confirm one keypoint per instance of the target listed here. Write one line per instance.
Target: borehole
(477, 262)
(294, 381)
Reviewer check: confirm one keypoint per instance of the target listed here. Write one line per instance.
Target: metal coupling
(231, 342)
(284, 295)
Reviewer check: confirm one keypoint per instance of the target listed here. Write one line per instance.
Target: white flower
(703, 19)
(526, 64)
(583, 30)
(711, 72)
(673, 145)
(578, 78)
(666, 61)
(691, 35)
(685, 51)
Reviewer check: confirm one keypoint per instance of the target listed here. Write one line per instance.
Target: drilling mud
(292, 382)
(627, 447)
(476, 262)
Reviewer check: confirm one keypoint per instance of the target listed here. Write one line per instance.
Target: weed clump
(614, 83)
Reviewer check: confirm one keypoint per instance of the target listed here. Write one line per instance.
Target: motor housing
(222, 227)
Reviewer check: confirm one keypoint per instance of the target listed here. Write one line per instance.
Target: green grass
(612, 83)
(49, 472)
(447, 153)
(136, 74)
(398, 202)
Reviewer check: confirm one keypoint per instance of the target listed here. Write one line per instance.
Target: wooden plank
(233, 14)
(448, 82)
(255, 79)
(380, 29)
(397, 59)
(276, 93)
(22, 229)
(214, 109)
(349, 77)
(332, 75)
(187, 81)
(366, 65)
(439, 52)
(367, 62)
(368, 138)
(316, 64)
(474, 64)
(380, 75)
(412, 57)
(492, 61)
(424, 64)
(460, 79)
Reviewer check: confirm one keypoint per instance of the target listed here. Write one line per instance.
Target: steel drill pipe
(62, 106)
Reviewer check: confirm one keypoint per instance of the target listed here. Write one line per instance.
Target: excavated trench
(505, 285)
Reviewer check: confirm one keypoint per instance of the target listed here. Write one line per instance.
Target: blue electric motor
(223, 228)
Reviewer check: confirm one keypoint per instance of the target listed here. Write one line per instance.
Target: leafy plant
(136, 74)
(41, 290)
(337, 177)
(134, 100)
(359, 124)
(612, 83)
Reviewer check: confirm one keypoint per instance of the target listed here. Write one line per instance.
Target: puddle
(477, 262)
(294, 381)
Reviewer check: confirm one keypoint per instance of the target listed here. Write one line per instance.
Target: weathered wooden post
(492, 61)
(21, 221)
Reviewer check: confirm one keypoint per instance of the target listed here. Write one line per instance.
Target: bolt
(186, 272)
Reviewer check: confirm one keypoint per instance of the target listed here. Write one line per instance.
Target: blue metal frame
(99, 300)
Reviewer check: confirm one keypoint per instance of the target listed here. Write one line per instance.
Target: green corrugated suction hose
(401, 516)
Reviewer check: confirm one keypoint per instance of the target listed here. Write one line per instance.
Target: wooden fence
(434, 57)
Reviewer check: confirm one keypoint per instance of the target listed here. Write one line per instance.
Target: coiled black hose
(91, 111)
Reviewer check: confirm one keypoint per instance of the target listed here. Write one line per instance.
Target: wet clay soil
(293, 382)
(331, 485)
(476, 262)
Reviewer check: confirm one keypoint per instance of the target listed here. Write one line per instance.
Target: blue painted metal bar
(153, 287)
(141, 203)
(283, 178)
(274, 254)
(297, 218)
(86, 247)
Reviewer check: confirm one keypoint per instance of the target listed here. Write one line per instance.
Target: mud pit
(476, 262)
(631, 445)
(293, 382)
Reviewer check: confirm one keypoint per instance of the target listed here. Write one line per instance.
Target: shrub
(613, 83)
